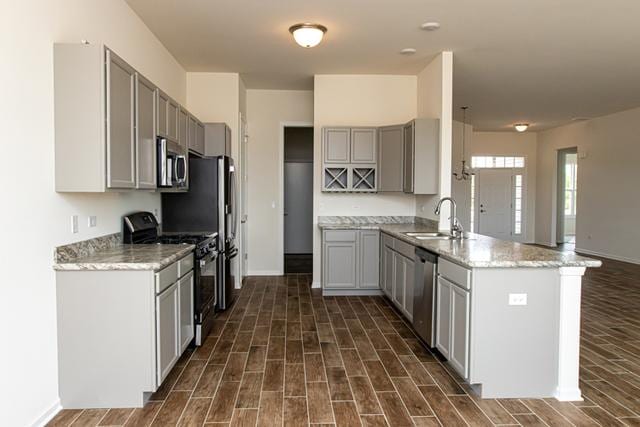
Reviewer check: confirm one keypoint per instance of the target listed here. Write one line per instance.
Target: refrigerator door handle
(232, 207)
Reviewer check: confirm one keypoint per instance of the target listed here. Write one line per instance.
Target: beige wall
(435, 100)
(504, 144)
(359, 100)
(267, 111)
(36, 218)
(608, 177)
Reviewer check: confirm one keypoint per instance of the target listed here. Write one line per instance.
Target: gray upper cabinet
(364, 145)
(173, 110)
(217, 139)
(145, 133)
(191, 126)
(391, 160)
(121, 146)
(163, 108)
(408, 154)
(183, 124)
(199, 138)
(337, 145)
(350, 157)
(421, 156)
(107, 119)
(168, 116)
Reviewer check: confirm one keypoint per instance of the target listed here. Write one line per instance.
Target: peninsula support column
(568, 388)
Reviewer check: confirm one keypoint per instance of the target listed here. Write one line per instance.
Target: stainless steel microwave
(172, 164)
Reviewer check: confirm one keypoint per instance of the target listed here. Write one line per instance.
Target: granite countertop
(153, 257)
(477, 251)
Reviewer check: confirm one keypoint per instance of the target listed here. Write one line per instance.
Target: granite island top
(153, 257)
(477, 251)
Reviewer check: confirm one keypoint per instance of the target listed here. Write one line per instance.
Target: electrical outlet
(517, 299)
(74, 223)
(155, 213)
(93, 221)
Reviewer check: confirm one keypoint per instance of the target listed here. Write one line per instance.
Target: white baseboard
(316, 285)
(48, 415)
(604, 255)
(265, 273)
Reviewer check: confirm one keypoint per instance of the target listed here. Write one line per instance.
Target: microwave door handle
(181, 179)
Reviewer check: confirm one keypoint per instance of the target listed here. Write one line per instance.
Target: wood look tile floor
(284, 355)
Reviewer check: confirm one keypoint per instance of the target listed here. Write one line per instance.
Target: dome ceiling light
(521, 127)
(308, 35)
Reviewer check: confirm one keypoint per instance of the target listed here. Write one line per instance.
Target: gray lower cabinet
(443, 313)
(350, 261)
(145, 133)
(167, 327)
(115, 349)
(390, 158)
(397, 274)
(121, 146)
(453, 305)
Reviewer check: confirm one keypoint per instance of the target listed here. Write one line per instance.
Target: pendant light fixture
(308, 35)
(464, 172)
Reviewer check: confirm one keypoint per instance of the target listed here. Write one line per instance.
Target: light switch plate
(517, 299)
(74, 223)
(93, 221)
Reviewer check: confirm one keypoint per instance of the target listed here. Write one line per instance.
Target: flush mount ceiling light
(408, 51)
(521, 127)
(430, 26)
(308, 35)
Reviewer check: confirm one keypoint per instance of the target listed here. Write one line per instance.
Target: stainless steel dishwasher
(424, 296)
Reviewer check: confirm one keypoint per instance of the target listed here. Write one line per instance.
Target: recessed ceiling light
(521, 127)
(430, 26)
(308, 35)
(408, 51)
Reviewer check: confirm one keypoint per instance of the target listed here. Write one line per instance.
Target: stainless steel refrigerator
(209, 206)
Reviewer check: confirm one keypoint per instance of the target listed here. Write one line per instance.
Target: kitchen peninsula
(506, 315)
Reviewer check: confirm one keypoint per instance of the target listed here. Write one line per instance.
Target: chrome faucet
(455, 227)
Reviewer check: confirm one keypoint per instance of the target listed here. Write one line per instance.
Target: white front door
(494, 202)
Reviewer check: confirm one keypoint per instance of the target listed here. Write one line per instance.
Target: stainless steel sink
(433, 236)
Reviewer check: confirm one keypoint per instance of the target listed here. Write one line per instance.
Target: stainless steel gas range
(142, 227)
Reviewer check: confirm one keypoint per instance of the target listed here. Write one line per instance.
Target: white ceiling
(538, 61)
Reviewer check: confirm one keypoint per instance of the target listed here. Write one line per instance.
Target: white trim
(48, 415)
(568, 388)
(609, 256)
(316, 285)
(280, 207)
(264, 273)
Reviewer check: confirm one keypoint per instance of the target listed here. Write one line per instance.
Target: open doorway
(298, 200)
(567, 197)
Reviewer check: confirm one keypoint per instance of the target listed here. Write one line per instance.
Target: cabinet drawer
(340, 235)
(185, 265)
(167, 277)
(387, 240)
(455, 273)
(405, 249)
